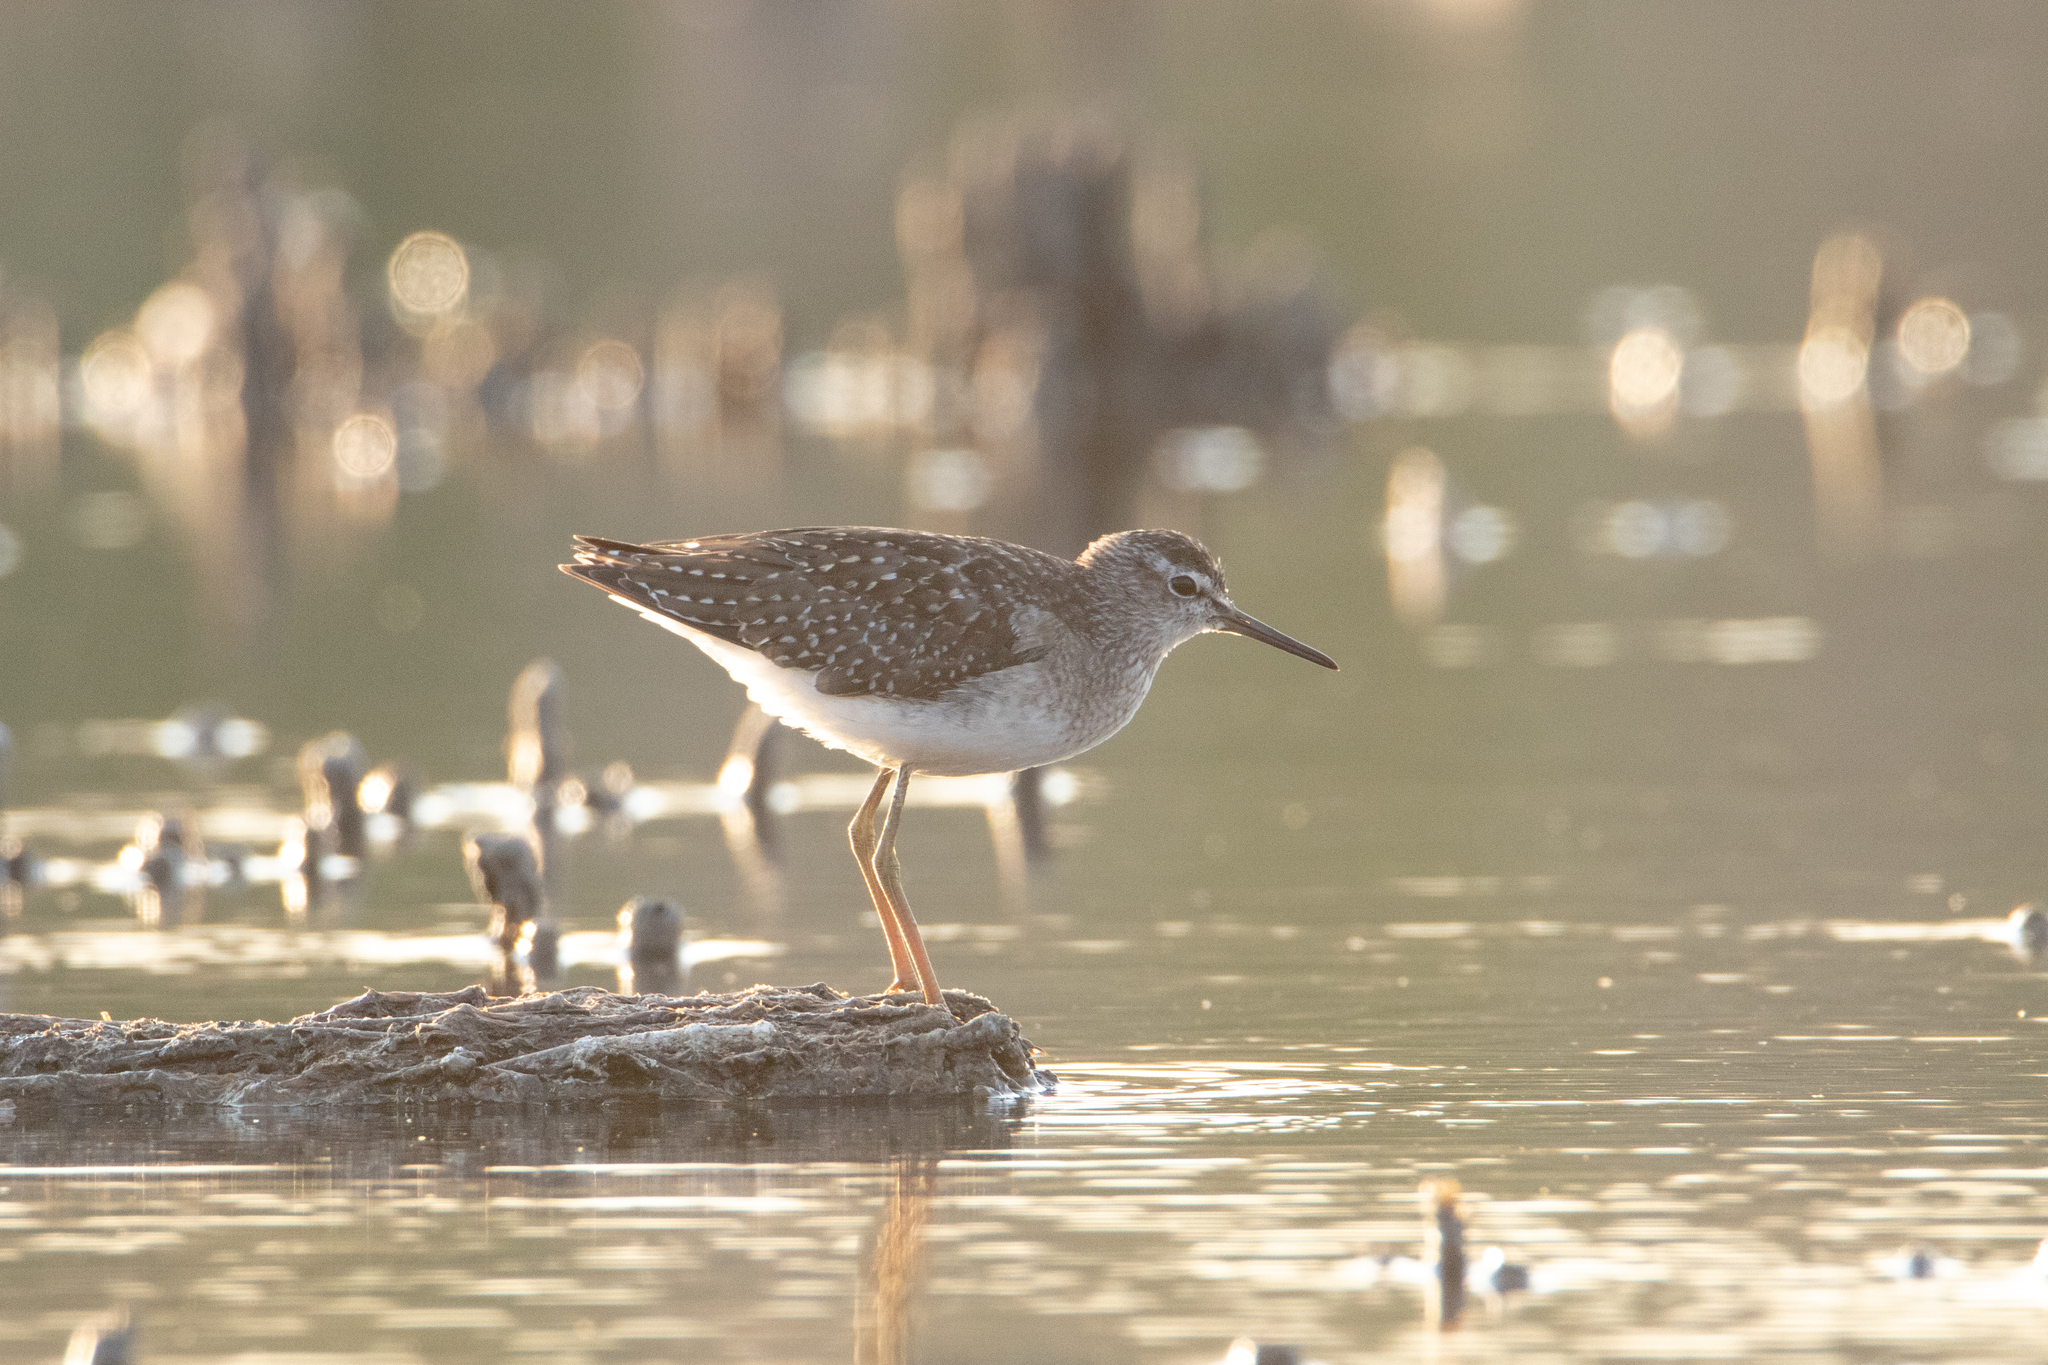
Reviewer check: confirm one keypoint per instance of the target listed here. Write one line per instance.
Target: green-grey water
(1650, 882)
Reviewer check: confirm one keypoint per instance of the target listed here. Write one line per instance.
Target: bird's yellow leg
(864, 837)
(891, 876)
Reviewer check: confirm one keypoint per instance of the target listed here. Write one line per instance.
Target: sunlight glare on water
(1709, 1149)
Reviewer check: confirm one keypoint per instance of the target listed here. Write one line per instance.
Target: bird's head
(1170, 587)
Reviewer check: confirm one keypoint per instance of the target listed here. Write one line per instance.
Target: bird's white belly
(995, 724)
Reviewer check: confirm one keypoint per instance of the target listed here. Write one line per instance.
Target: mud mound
(579, 1046)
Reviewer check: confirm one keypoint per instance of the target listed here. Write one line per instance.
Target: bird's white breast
(997, 723)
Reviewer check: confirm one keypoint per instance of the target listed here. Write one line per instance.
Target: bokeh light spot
(1481, 535)
(950, 480)
(1210, 459)
(1934, 336)
(1413, 534)
(1642, 378)
(176, 323)
(115, 378)
(1578, 644)
(611, 373)
(1460, 645)
(429, 273)
(1635, 530)
(365, 448)
(1832, 364)
(1699, 528)
(1414, 507)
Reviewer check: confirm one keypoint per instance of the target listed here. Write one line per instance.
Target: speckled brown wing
(869, 611)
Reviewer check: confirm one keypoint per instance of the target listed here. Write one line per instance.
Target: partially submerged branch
(579, 1046)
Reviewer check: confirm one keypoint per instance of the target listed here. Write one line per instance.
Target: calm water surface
(1705, 1125)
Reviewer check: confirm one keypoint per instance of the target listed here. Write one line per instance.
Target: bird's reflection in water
(752, 833)
(538, 954)
(168, 854)
(894, 1265)
(318, 890)
(504, 873)
(1444, 1243)
(331, 771)
(16, 867)
(531, 962)
(108, 1339)
(1016, 828)
(537, 762)
(651, 948)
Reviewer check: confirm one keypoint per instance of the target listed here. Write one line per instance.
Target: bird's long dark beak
(1229, 618)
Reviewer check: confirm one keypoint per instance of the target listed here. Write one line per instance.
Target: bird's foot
(900, 987)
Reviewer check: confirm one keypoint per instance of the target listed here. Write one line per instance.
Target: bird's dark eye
(1183, 585)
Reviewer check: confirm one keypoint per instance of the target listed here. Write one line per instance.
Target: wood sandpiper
(939, 654)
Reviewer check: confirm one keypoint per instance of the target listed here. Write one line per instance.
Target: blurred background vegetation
(707, 281)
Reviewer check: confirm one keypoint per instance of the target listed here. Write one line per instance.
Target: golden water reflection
(1701, 1128)
(1090, 1223)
